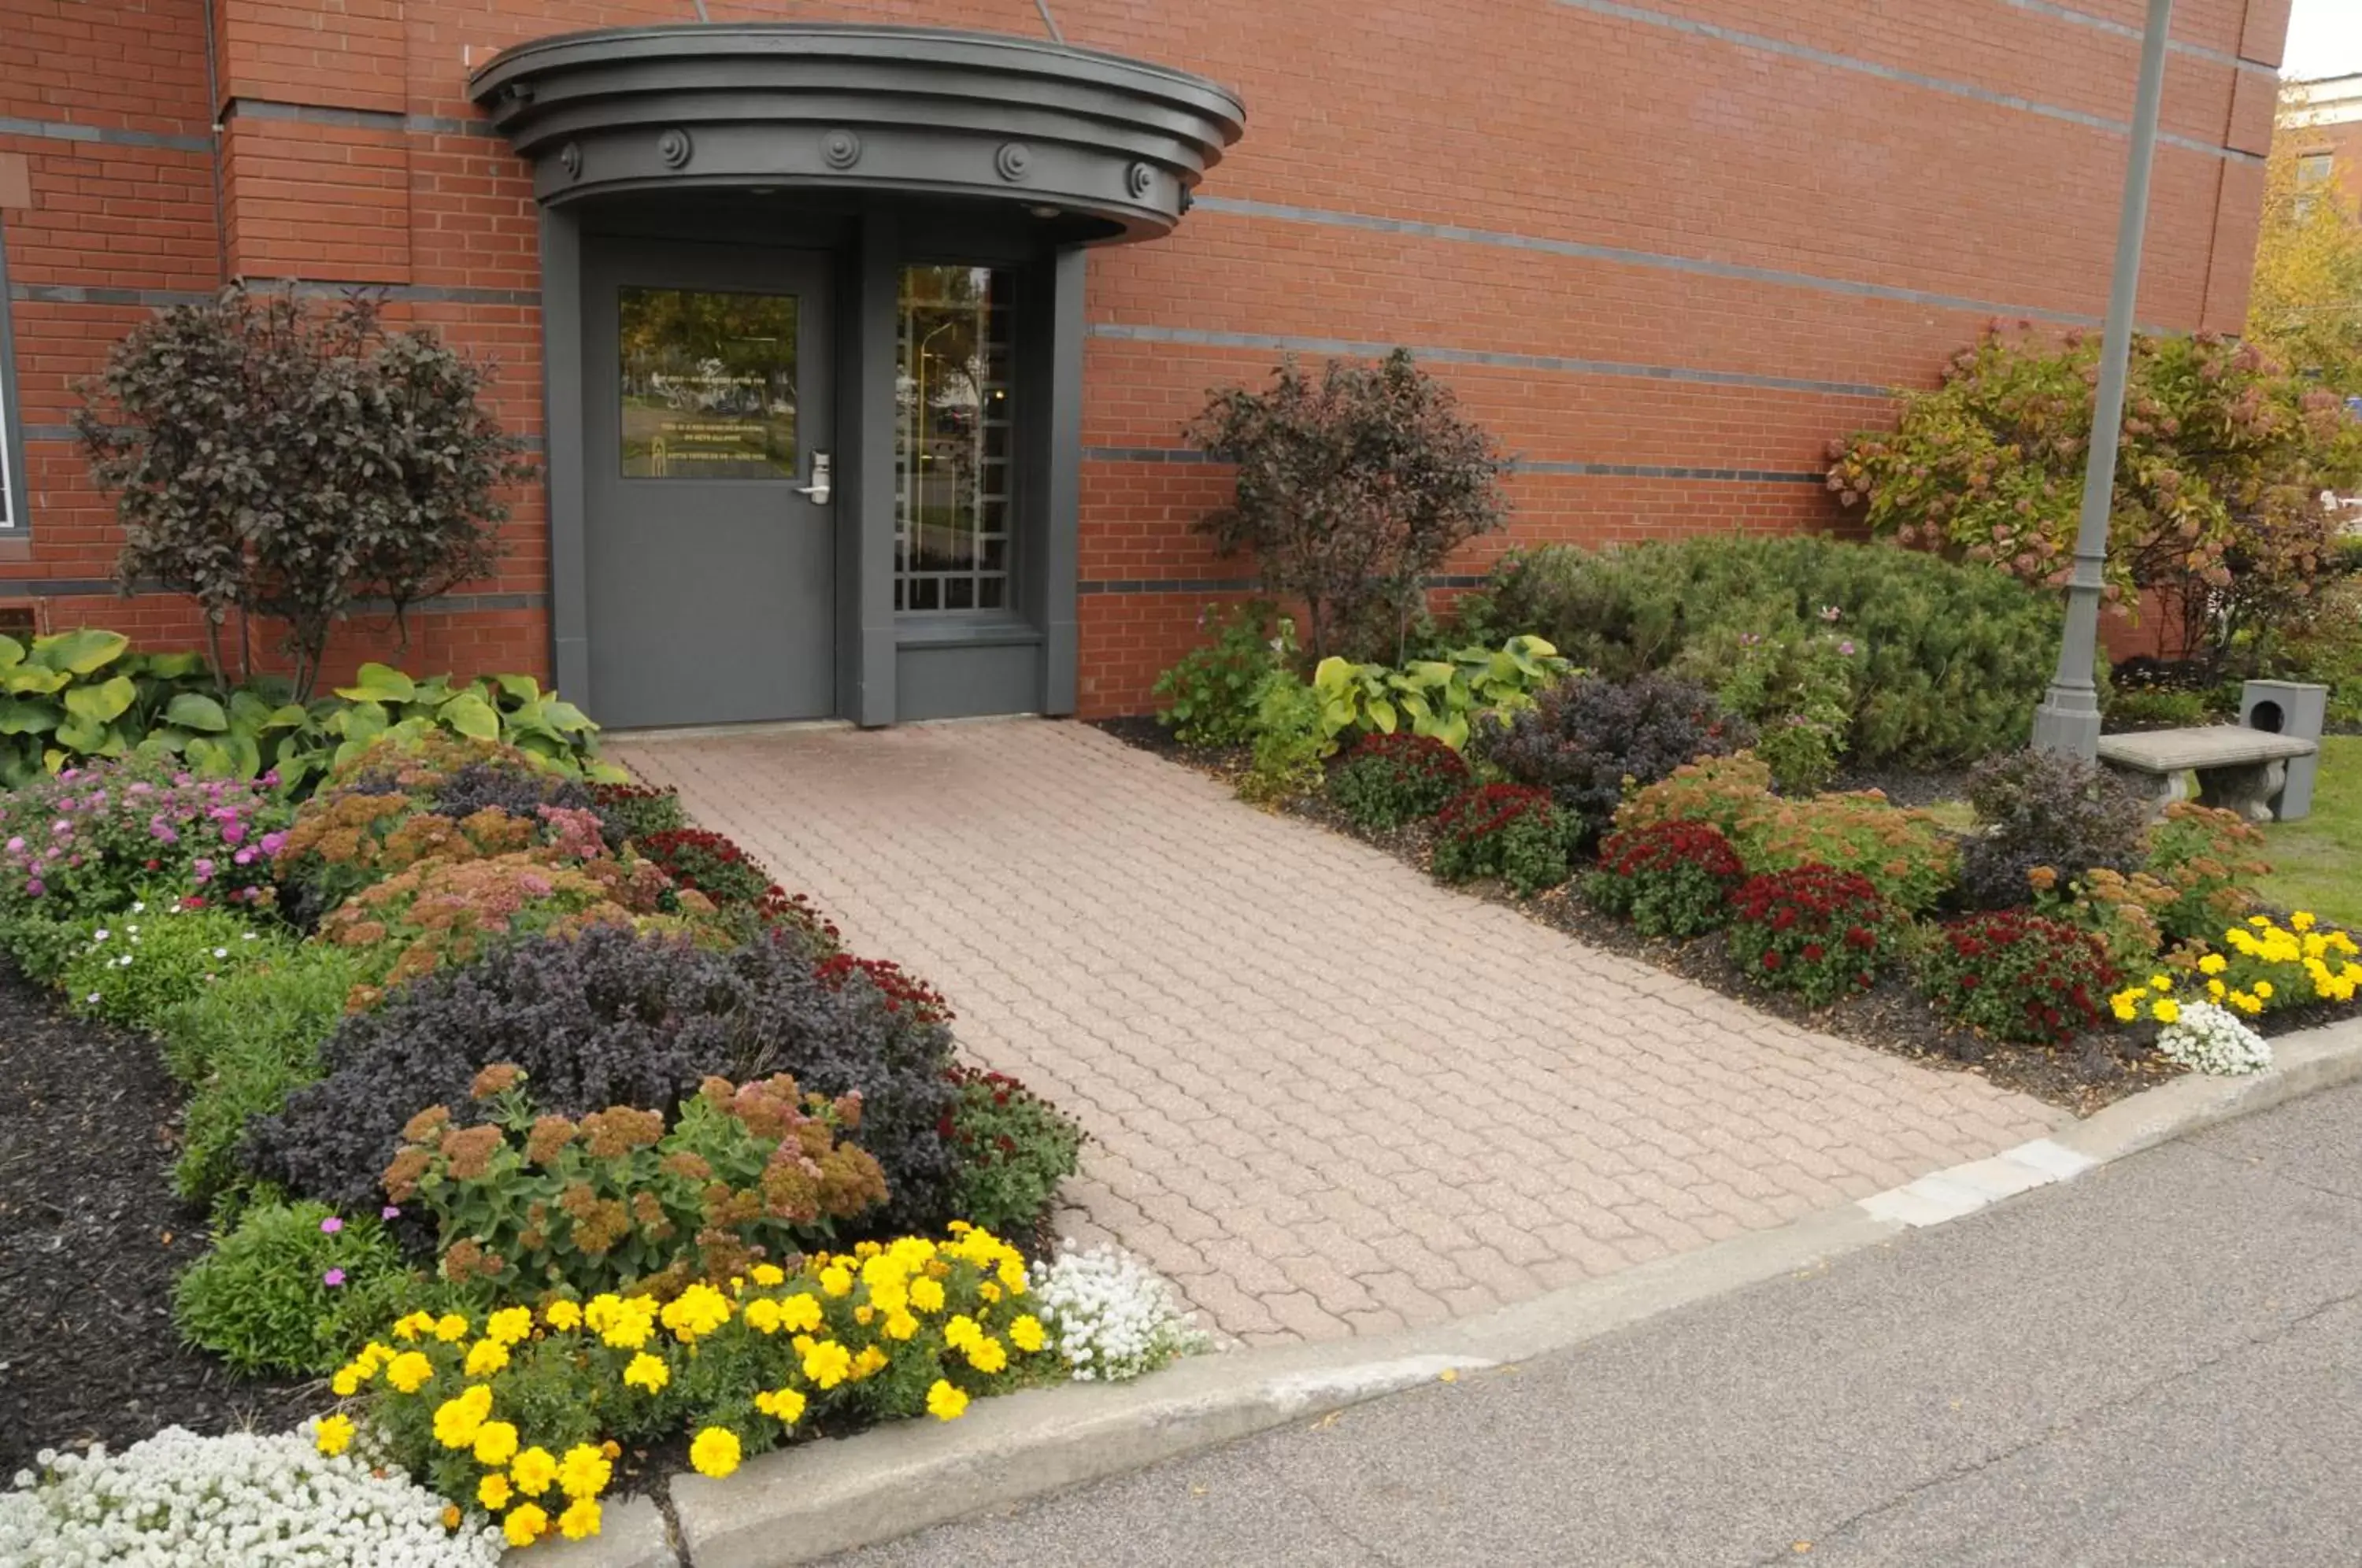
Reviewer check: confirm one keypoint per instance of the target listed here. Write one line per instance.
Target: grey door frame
(878, 655)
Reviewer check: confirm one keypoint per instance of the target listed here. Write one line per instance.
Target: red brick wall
(1691, 237)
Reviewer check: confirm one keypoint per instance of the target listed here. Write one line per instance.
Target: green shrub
(242, 1045)
(41, 946)
(1288, 745)
(1950, 659)
(1907, 855)
(1590, 739)
(284, 1292)
(1014, 1148)
(1670, 879)
(1211, 693)
(1390, 779)
(1793, 683)
(1438, 698)
(1507, 831)
(136, 966)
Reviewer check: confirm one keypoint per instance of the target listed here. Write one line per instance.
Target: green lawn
(2320, 858)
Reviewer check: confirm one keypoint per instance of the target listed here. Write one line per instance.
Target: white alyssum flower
(177, 1500)
(1111, 1315)
(2209, 1039)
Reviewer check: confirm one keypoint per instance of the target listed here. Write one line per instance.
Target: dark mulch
(90, 1236)
(1893, 1016)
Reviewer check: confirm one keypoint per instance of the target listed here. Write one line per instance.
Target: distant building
(2326, 119)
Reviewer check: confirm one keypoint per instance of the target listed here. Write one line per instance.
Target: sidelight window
(951, 447)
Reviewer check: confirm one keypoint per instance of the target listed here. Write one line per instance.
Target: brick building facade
(1664, 251)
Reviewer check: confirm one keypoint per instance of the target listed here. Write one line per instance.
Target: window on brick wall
(2313, 171)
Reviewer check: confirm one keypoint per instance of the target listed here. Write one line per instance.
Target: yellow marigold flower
(864, 1249)
(451, 1327)
(769, 1275)
(1013, 1273)
(533, 1471)
(584, 1472)
(799, 1314)
(927, 1295)
(836, 1279)
(333, 1434)
(581, 1519)
(458, 1419)
(988, 1292)
(485, 1357)
(696, 1312)
(714, 1451)
(901, 1326)
(785, 1406)
(2125, 1010)
(1026, 1333)
(944, 1402)
(882, 1269)
(763, 1315)
(2264, 989)
(602, 1311)
(628, 1325)
(961, 1331)
(959, 1227)
(891, 1298)
(2246, 1003)
(863, 1313)
(414, 1325)
(509, 1326)
(524, 1525)
(2301, 920)
(451, 1516)
(493, 1491)
(563, 1315)
(345, 1382)
(2166, 1010)
(646, 1372)
(2160, 982)
(988, 1355)
(828, 1363)
(868, 1364)
(2213, 963)
(409, 1372)
(496, 1442)
(2215, 990)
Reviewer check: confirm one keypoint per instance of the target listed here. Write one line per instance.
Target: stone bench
(2238, 768)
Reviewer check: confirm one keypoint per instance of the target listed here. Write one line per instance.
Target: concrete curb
(808, 1502)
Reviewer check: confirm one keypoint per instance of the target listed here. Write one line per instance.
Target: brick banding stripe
(1518, 465)
(366, 119)
(106, 135)
(1553, 363)
(1762, 44)
(2125, 30)
(97, 587)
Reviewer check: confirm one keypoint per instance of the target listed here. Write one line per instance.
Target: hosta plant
(630, 1198)
(1670, 879)
(1820, 932)
(73, 696)
(1389, 779)
(2017, 977)
(1438, 698)
(1507, 831)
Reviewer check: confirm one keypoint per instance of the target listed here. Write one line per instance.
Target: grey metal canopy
(1112, 142)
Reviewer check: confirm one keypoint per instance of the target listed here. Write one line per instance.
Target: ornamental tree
(275, 458)
(2305, 304)
(1351, 490)
(2218, 508)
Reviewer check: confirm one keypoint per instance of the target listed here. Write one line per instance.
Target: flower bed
(487, 958)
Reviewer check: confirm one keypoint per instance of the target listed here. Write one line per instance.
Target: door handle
(819, 488)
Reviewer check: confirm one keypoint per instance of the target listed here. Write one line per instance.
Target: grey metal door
(707, 435)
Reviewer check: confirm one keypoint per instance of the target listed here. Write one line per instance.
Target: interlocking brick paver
(1327, 1096)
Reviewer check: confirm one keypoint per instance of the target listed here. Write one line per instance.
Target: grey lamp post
(2068, 719)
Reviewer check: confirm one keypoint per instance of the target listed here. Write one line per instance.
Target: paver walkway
(1326, 1096)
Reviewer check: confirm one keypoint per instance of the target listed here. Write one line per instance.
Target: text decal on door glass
(709, 384)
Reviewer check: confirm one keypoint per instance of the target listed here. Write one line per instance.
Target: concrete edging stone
(808, 1502)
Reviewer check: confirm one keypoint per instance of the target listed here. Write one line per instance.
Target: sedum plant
(620, 1199)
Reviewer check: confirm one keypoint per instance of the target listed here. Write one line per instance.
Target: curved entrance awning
(1109, 145)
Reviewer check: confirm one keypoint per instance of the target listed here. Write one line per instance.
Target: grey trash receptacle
(2288, 708)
